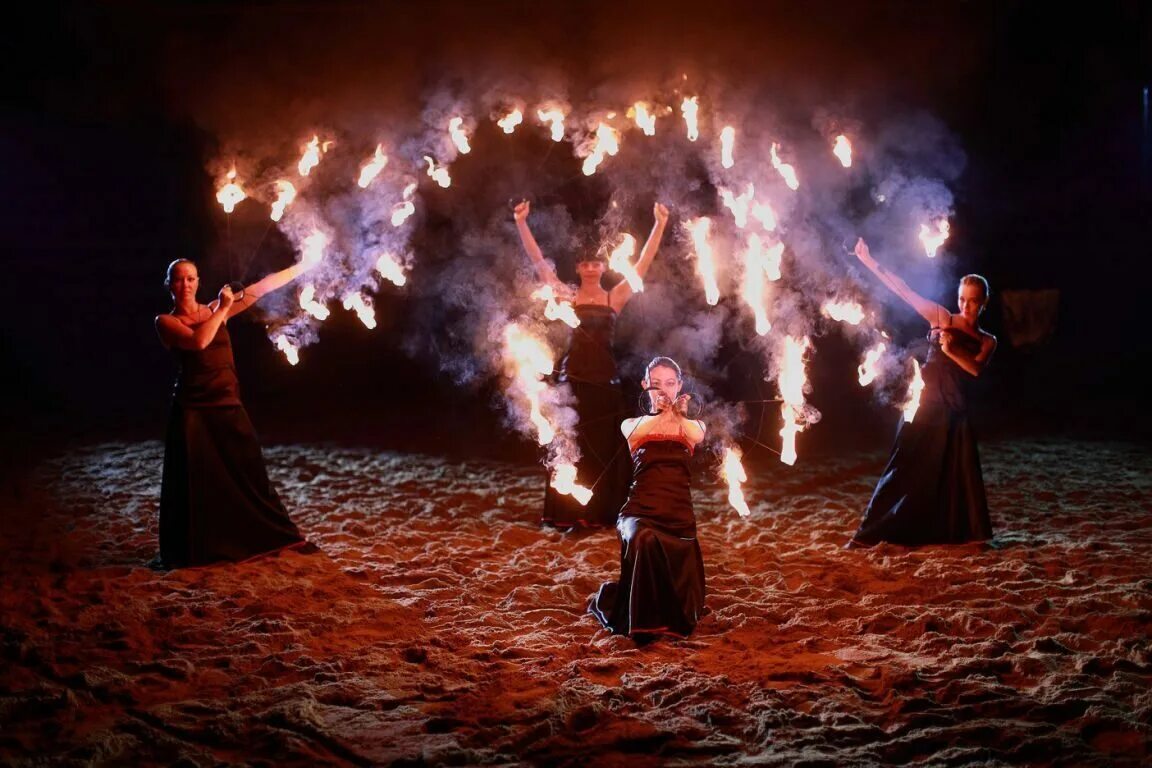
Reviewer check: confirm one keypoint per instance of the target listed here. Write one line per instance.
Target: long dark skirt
(216, 502)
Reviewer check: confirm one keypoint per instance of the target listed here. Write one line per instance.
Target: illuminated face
(970, 300)
(185, 281)
(591, 268)
(663, 378)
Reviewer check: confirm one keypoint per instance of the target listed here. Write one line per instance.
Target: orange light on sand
(645, 119)
(727, 142)
(528, 360)
(740, 205)
(754, 290)
(311, 156)
(842, 148)
(439, 173)
(690, 108)
(362, 306)
(786, 171)
(285, 194)
(553, 117)
(932, 240)
(373, 167)
(291, 354)
(509, 122)
(791, 380)
(734, 475)
(230, 193)
(607, 143)
(388, 267)
(458, 136)
(844, 311)
(309, 304)
(564, 481)
(705, 258)
(620, 261)
(868, 370)
(915, 387)
(554, 308)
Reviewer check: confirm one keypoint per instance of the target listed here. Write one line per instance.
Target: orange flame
(607, 143)
(734, 474)
(738, 204)
(373, 167)
(705, 259)
(753, 292)
(844, 311)
(439, 174)
(727, 141)
(309, 304)
(530, 360)
(285, 194)
(619, 261)
(763, 213)
(363, 308)
(231, 193)
(915, 387)
(870, 368)
(554, 117)
(690, 107)
(933, 240)
(289, 350)
(459, 137)
(645, 120)
(786, 171)
(311, 157)
(564, 481)
(842, 148)
(509, 122)
(390, 269)
(555, 309)
(792, 393)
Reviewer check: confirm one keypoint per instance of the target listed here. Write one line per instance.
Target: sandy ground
(440, 625)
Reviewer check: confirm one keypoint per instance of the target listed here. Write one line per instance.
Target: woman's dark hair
(172, 267)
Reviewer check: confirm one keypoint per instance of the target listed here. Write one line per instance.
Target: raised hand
(660, 211)
(226, 297)
(520, 212)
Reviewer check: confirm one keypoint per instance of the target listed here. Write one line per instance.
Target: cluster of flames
(528, 358)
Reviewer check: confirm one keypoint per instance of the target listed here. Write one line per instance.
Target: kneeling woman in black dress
(216, 502)
(661, 585)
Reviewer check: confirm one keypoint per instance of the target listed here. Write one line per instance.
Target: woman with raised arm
(216, 502)
(932, 490)
(589, 368)
(660, 590)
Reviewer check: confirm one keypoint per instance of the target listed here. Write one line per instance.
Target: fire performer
(661, 585)
(216, 502)
(589, 367)
(932, 490)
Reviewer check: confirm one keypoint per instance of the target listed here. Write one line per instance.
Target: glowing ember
(309, 304)
(727, 141)
(509, 122)
(915, 387)
(231, 193)
(844, 311)
(607, 143)
(439, 174)
(690, 107)
(842, 148)
(291, 354)
(285, 194)
(619, 261)
(373, 167)
(734, 474)
(459, 137)
(529, 359)
(555, 309)
(786, 171)
(553, 117)
(933, 240)
(705, 259)
(870, 368)
(363, 307)
(645, 120)
(390, 269)
(564, 481)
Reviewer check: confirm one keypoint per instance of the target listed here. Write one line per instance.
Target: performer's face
(592, 268)
(185, 280)
(663, 378)
(970, 299)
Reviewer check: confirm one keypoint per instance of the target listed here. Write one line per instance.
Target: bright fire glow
(439, 174)
(607, 143)
(763, 213)
(690, 107)
(844, 311)
(231, 193)
(509, 122)
(459, 137)
(727, 142)
(705, 259)
(933, 240)
(734, 474)
(915, 387)
(870, 368)
(285, 194)
(564, 481)
(842, 148)
(313, 250)
(619, 261)
(754, 293)
(289, 349)
(738, 204)
(645, 120)
(309, 304)
(363, 308)
(529, 360)
(792, 393)
(390, 269)
(373, 167)
(311, 156)
(554, 118)
(786, 171)
(554, 309)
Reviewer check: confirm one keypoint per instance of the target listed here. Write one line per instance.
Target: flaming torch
(309, 304)
(645, 120)
(555, 309)
(564, 481)
(509, 122)
(734, 474)
(933, 240)
(373, 167)
(689, 108)
(705, 259)
(405, 208)
(439, 174)
(619, 261)
(915, 387)
(311, 157)
(390, 269)
(607, 143)
(844, 311)
(727, 141)
(231, 193)
(870, 368)
(459, 137)
(842, 148)
(363, 308)
(285, 194)
(529, 360)
(792, 394)
(754, 265)
(291, 354)
(554, 118)
(738, 204)
(786, 171)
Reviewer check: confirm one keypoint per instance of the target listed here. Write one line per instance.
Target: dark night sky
(115, 113)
